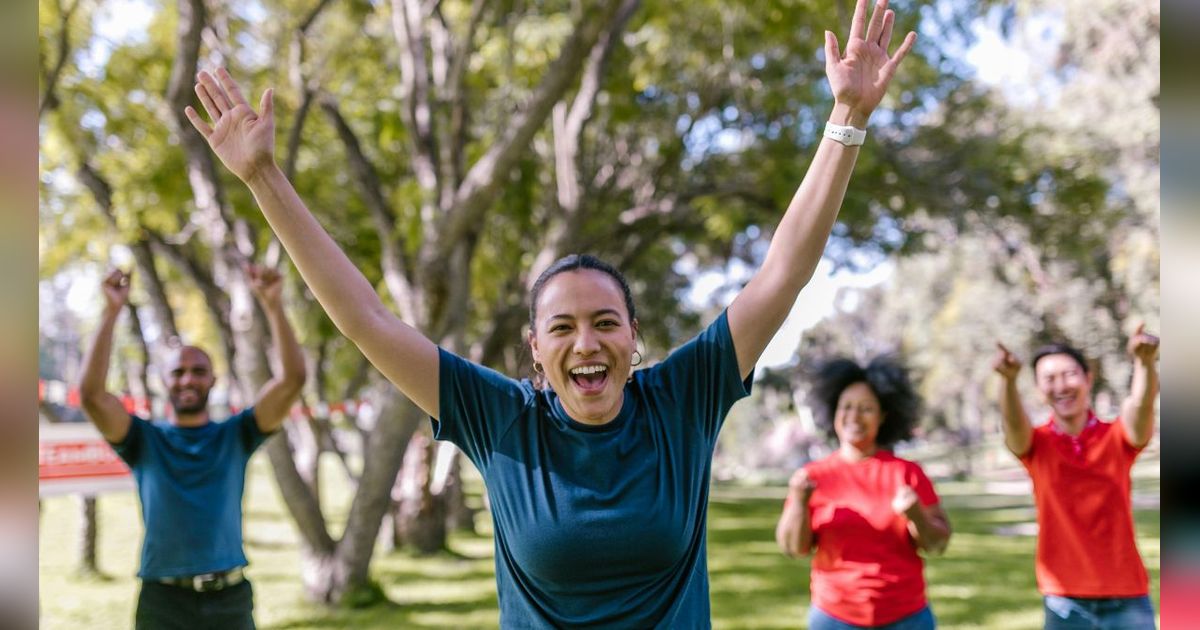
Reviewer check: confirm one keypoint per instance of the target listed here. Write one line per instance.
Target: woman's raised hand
(860, 78)
(242, 138)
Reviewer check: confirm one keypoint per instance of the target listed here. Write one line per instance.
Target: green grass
(984, 580)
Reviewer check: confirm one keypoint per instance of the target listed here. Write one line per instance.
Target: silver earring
(537, 367)
(638, 355)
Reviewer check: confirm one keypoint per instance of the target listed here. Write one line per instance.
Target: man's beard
(200, 405)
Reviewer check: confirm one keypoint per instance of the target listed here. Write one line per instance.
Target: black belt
(206, 582)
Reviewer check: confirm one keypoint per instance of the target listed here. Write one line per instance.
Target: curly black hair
(888, 379)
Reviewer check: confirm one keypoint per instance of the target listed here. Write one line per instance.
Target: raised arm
(277, 395)
(1018, 430)
(858, 81)
(794, 532)
(245, 142)
(101, 407)
(1137, 412)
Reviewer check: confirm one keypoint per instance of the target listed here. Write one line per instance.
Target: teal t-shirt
(598, 526)
(190, 483)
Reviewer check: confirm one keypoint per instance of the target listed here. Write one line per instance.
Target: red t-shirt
(866, 570)
(1086, 545)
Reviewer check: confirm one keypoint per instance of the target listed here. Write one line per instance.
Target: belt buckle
(206, 582)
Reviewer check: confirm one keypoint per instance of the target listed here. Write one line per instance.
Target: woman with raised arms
(598, 483)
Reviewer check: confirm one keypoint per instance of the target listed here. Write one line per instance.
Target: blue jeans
(1110, 613)
(920, 620)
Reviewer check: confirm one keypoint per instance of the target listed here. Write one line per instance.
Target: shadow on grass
(269, 545)
(420, 575)
(443, 554)
(396, 615)
(91, 576)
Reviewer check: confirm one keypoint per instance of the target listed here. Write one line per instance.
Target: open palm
(243, 139)
(860, 78)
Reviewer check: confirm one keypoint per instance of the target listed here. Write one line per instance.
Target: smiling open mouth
(188, 395)
(590, 378)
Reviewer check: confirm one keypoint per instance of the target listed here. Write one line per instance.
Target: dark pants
(920, 620)
(166, 607)
(1110, 613)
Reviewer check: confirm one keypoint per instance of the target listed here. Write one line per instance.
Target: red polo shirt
(866, 570)
(1081, 486)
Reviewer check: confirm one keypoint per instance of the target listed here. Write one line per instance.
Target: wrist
(843, 114)
(800, 493)
(1147, 371)
(271, 307)
(263, 174)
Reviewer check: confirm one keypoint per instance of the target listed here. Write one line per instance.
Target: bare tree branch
(483, 179)
(409, 30)
(49, 99)
(455, 96)
(299, 83)
(223, 227)
(296, 131)
(568, 124)
(358, 380)
(393, 259)
(143, 256)
(136, 371)
(216, 301)
(309, 18)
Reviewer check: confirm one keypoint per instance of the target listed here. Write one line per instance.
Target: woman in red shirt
(865, 511)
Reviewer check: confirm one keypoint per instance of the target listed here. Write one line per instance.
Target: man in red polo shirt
(1088, 567)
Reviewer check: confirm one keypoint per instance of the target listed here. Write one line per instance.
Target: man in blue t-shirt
(190, 470)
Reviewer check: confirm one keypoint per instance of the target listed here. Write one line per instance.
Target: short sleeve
(702, 376)
(919, 481)
(247, 424)
(476, 405)
(129, 449)
(1027, 458)
(1128, 448)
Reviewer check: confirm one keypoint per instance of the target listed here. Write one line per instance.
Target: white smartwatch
(845, 134)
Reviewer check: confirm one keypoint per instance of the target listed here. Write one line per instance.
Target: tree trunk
(420, 516)
(87, 535)
(340, 574)
(459, 515)
(135, 371)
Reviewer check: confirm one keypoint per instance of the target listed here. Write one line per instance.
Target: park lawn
(983, 581)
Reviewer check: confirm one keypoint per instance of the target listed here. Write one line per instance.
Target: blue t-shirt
(190, 482)
(598, 526)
